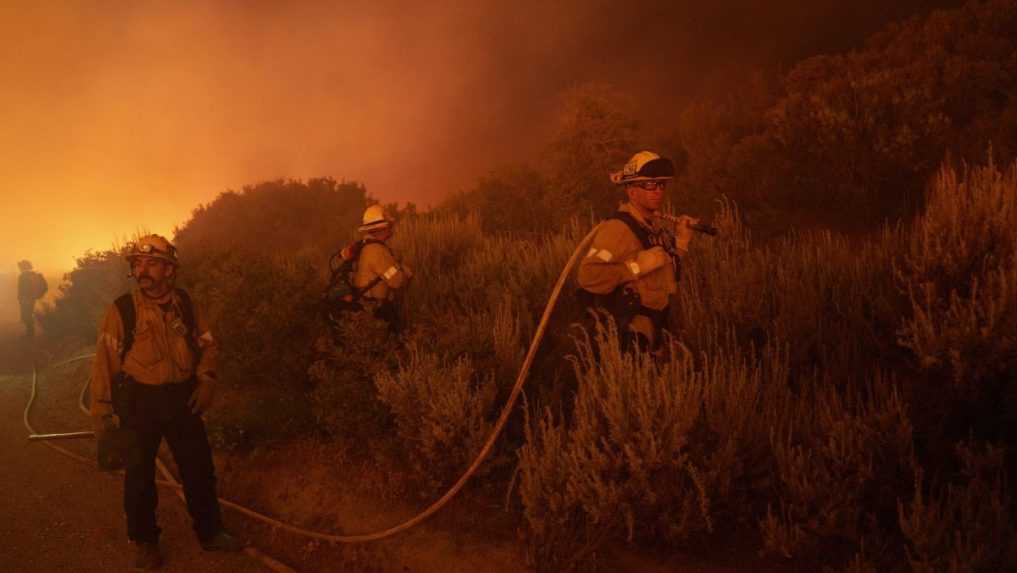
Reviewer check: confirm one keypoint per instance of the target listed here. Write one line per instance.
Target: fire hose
(459, 484)
(427, 512)
(168, 479)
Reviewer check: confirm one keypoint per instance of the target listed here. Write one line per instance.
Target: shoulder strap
(187, 309)
(641, 232)
(129, 318)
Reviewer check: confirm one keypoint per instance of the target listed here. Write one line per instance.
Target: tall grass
(793, 397)
(809, 387)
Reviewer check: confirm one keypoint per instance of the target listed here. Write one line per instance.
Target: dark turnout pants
(162, 412)
(28, 316)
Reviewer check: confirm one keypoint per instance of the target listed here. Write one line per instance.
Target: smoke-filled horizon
(121, 116)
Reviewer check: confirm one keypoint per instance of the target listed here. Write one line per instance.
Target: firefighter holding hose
(631, 268)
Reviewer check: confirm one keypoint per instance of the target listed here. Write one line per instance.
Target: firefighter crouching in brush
(153, 377)
(632, 265)
(378, 276)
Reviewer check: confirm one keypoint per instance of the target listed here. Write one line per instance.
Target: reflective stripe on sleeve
(207, 337)
(391, 272)
(110, 341)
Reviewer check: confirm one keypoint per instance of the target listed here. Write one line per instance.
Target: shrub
(258, 259)
(286, 217)
(832, 299)
(653, 451)
(960, 270)
(842, 464)
(343, 398)
(967, 526)
(863, 130)
(440, 409)
(85, 293)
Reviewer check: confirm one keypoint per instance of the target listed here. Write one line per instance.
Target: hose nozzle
(698, 227)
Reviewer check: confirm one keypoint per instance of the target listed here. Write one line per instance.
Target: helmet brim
(375, 226)
(660, 168)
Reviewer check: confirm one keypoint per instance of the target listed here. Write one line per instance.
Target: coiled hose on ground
(506, 411)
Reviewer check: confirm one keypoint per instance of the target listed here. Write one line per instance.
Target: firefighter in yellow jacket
(631, 268)
(378, 274)
(153, 377)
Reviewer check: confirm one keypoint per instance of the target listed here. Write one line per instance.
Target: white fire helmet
(644, 166)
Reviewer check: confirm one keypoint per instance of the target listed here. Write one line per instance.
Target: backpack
(340, 294)
(39, 285)
(129, 316)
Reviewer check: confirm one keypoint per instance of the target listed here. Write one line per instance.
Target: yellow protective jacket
(376, 260)
(606, 267)
(158, 355)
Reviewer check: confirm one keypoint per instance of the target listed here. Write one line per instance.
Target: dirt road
(58, 514)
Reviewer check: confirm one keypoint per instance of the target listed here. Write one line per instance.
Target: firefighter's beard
(153, 288)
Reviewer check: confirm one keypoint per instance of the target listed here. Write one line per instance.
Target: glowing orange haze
(134, 116)
(117, 115)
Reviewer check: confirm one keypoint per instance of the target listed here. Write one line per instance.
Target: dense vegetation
(858, 133)
(848, 398)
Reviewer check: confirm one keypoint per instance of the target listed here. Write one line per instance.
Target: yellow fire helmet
(644, 166)
(374, 219)
(155, 246)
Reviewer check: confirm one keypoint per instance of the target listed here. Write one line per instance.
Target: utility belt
(119, 446)
(624, 304)
(351, 304)
(125, 390)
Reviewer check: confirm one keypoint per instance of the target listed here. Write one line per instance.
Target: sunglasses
(653, 184)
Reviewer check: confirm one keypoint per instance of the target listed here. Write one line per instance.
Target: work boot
(146, 557)
(222, 541)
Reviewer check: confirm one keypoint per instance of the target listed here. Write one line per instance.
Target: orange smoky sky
(119, 115)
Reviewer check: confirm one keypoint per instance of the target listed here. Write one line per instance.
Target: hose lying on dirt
(443, 500)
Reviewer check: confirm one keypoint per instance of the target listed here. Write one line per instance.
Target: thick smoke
(116, 115)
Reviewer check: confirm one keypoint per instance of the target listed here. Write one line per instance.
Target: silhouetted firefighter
(154, 375)
(31, 287)
(632, 267)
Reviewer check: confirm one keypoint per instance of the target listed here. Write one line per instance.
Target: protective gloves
(202, 397)
(684, 232)
(103, 425)
(113, 445)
